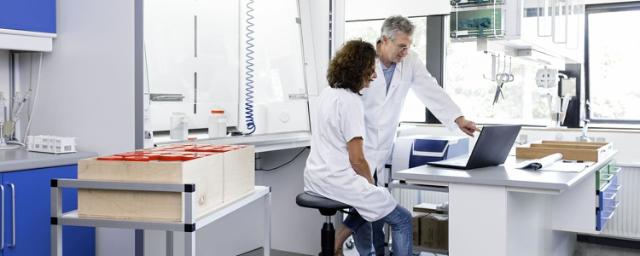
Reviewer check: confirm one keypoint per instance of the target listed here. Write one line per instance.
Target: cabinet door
(29, 15)
(32, 214)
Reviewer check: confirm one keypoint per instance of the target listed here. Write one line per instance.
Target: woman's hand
(356, 158)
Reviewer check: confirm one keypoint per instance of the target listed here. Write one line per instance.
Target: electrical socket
(523, 139)
(258, 161)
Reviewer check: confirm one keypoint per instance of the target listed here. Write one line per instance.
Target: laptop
(491, 149)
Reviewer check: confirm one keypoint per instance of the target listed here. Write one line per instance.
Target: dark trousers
(377, 228)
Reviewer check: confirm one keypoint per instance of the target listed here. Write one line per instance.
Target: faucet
(585, 129)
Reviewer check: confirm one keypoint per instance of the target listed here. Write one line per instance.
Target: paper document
(566, 166)
(540, 163)
(554, 163)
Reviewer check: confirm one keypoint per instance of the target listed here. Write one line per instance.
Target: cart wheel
(349, 244)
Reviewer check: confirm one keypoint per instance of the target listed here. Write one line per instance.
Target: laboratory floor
(582, 249)
(587, 249)
(259, 252)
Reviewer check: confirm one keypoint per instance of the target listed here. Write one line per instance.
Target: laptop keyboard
(458, 162)
(461, 161)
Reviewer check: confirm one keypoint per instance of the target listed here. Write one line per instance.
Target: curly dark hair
(352, 66)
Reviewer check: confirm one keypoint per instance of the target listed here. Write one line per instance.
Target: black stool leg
(328, 238)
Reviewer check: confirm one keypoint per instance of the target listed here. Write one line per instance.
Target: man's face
(395, 50)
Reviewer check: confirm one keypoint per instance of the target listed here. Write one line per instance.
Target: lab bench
(502, 210)
(24, 203)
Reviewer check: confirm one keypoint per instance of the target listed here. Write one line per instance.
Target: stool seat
(326, 206)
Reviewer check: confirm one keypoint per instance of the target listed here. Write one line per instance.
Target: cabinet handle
(13, 215)
(2, 218)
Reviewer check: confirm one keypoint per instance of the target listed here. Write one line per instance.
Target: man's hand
(466, 126)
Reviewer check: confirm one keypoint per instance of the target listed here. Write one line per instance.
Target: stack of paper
(554, 163)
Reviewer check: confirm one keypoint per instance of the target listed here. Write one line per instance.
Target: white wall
(87, 83)
(87, 87)
(4, 74)
(295, 229)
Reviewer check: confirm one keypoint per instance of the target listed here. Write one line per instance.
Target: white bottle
(178, 129)
(217, 123)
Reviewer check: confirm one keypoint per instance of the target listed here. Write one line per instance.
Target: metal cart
(189, 226)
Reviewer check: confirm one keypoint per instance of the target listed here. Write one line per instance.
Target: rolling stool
(327, 208)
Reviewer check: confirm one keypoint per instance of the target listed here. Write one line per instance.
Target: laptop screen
(493, 145)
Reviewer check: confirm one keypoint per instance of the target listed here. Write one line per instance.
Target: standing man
(383, 101)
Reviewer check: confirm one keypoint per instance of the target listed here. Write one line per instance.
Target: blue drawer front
(28, 15)
(435, 146)
(33, 213)
(607, 202)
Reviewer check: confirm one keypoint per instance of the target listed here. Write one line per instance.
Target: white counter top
(262, 143)
(504, 175)
(21, 159)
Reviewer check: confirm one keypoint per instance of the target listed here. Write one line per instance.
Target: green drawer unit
(605, 174)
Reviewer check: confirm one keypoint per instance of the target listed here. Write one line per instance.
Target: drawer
(607, 198)
(607, 179)
(604, 215)
(614, 170)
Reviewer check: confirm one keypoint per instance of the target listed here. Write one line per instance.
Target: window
(369, 30)
(612, 54)
(467, 75)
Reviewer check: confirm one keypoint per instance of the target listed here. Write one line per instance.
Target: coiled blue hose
(248, 105)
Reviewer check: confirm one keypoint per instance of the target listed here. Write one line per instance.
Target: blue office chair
(327, 208)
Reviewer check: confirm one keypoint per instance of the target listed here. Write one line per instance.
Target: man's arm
(357, 160)
(466, 126)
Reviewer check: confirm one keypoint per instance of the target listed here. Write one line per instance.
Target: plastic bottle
(217, 123)
(178, 129)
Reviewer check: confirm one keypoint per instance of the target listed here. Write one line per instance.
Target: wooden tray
(570, 150)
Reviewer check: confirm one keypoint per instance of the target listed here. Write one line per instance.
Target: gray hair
(395, 24)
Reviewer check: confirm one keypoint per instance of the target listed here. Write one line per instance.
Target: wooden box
(434, 231)
(570, 150)
(220, 177)
(238, 173)
(415, 225)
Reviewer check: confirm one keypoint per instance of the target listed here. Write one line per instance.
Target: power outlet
(258, 160)
(522, 139)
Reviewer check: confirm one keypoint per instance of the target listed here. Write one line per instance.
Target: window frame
(594, 9)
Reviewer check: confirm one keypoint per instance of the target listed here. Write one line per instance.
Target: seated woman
(336, 167)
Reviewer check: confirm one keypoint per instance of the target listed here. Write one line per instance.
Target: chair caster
(350, 244)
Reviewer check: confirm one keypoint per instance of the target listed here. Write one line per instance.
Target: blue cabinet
(28, 15)
(28, 191)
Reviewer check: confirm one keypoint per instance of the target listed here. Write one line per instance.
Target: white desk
(502, 211)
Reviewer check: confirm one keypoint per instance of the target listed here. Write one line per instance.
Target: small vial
(217, 123)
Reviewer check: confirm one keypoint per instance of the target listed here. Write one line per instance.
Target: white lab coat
(382, 113)
(339, 118)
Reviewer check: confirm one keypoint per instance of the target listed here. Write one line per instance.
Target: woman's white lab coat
(339, 118)
(383, 108)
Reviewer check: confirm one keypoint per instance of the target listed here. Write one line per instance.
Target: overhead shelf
(26, 40)
(517, 28)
